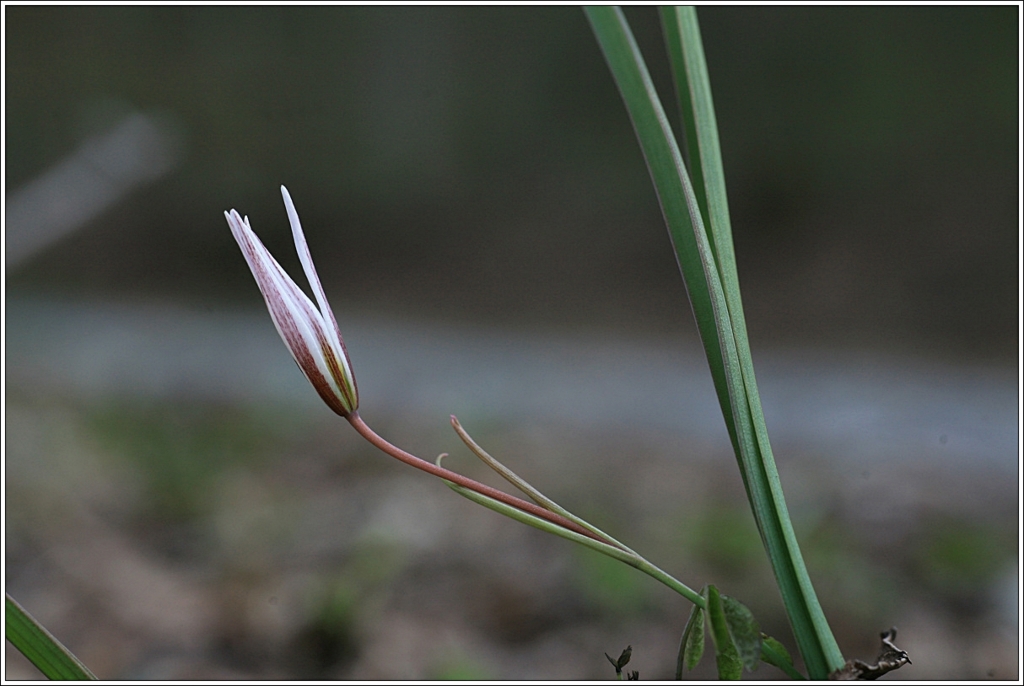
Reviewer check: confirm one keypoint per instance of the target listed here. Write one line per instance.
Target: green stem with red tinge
(429, 467)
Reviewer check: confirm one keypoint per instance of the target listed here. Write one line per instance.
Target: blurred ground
(167, 523)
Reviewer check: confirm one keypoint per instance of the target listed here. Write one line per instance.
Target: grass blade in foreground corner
(722, 330)
(40, 647)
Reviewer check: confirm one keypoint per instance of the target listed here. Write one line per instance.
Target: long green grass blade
(40, 647)
(692, 76)
(678, 201)
(677, 60)
(707, 262)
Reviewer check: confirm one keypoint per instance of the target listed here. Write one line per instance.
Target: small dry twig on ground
(889, 659)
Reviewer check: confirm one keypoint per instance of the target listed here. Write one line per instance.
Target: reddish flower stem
(429, 467)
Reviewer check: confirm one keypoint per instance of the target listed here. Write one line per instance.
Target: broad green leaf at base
(730, 667)
(691, 645)
(744, 631)
(775, 654)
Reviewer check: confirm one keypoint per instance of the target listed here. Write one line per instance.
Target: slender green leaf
(694, 94)
(707, 261)
(787, 561)
(730, 667)
(744, 631)
(774, 653)
(674, 45)
(675, 194)
(691, 645)
(40, 647)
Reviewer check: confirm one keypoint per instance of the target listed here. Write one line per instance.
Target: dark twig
(889, 659)
(622, 662)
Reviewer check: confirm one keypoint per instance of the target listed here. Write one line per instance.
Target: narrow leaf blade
(40, 647)
(814, 637)
(672, 184)
(674, 44)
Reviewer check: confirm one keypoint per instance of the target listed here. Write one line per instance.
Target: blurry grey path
(139, 149)
(846, 406)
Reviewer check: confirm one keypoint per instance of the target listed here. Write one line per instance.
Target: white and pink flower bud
(311, 334)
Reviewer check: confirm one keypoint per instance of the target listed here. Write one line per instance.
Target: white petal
(302, 248)
(296, 319)
(331, 325)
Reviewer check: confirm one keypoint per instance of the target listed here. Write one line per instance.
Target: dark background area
(477, 163)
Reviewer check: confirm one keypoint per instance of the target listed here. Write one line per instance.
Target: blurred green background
(473, 169)
(477, 162)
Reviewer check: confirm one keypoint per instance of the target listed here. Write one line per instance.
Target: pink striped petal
(314, 342)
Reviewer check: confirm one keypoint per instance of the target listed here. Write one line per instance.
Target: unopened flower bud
(311, 334)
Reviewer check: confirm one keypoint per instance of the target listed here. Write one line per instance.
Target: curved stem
(617, 551)
(668, 580)
(430, 468)
(535, 495)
